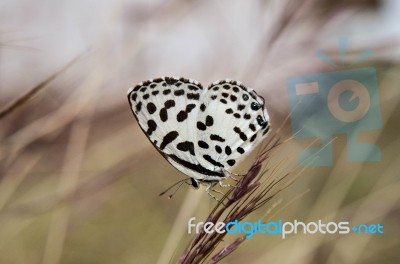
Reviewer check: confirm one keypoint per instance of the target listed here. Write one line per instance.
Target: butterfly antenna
(172, 186)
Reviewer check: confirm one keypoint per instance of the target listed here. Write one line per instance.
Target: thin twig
(18, 102)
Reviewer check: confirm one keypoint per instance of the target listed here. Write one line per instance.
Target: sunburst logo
(343, 101)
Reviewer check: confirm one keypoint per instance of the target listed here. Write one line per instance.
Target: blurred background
(79, 182)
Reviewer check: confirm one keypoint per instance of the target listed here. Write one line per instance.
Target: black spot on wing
(237, 115)
(179, 92)
(186, 146)
(196, 167)
(233, 98)
(228, 150)
(212, 161)
(155, 92)
(166, 91)
(168, 138)
(151, 108)
(241, 107)
(190, 107)
(182, 115)
(252, 127)
(209, 121)
(240, 150)
(247, 116)
(229, 111)
(139, 106)
(241, 134)
(266, 130)
(152, 127)
(203, 144)
(222, 100)
(193, 87)
(169, 103)
(217, 138)
(163, 114)
(201, 126)
(133, 96)
(253, 137)
(231, 162)
(218, 149)
(203, 107)
(170, 81)
(193, 96)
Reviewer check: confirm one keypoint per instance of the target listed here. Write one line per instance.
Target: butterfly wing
(230, 122)
(166, 110)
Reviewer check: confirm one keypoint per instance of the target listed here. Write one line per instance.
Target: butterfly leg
(210, 189)
(226, 185)
(209, 193)
(216, 191)
(233, 178)
(231, 174)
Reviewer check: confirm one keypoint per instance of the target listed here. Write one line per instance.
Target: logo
(282, 228)
(337, 102)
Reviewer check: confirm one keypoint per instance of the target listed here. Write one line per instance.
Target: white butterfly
(201, 132)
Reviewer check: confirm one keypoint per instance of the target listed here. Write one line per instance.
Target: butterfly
(202, 132)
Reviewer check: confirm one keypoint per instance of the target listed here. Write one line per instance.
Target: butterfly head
(257, 108)
(195, 183)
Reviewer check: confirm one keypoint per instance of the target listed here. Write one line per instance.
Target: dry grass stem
(24, 98)
(252, 192)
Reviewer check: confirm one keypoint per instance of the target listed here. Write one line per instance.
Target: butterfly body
(202, 132)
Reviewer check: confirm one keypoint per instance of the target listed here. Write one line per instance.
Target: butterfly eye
(245, 97)
(255, 106)
(261, 121)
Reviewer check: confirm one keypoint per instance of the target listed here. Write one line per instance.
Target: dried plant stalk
(24, 98)
(249, 195)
